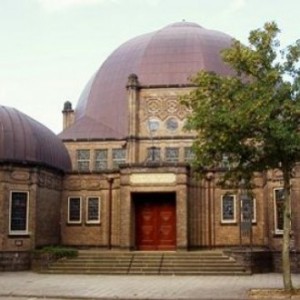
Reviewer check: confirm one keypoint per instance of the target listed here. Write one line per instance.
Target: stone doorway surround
(163, 178)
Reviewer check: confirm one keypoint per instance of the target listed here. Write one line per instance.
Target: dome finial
(67, 106)
(133, 81)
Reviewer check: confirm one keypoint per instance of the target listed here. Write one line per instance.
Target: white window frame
(87, 210)
(277, 231)
(80, 210)
(254, 220)
(19, 232)
(233, 221)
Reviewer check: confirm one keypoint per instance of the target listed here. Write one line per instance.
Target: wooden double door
(155, 221)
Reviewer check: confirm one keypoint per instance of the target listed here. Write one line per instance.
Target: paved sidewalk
(33, 286)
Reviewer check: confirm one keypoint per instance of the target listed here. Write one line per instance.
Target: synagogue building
(118, 176)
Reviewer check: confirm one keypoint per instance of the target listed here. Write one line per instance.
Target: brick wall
(14, 261)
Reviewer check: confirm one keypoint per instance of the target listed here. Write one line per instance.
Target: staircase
(149, 263)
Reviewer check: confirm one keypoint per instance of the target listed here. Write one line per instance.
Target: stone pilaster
(133, 107)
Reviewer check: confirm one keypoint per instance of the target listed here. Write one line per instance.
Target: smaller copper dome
(24, 140)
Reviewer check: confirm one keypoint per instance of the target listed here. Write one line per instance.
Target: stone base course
(14, 261)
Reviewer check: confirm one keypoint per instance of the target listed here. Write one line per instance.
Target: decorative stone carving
(20, 175)
(163, 107)
(153, 106)
(172, 106)
(49, 181)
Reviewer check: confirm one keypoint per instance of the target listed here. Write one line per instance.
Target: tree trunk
(286, 262)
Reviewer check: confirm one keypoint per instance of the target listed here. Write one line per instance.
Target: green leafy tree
(252, 117)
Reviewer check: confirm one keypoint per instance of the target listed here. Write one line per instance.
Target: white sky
(49, 49)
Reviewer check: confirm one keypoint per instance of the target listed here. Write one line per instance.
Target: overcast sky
(51, 48)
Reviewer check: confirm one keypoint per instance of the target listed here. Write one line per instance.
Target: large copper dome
(25, 141)
(165, 57)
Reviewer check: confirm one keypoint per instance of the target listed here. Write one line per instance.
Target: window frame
(100, 160)
(87, 220)
(234, 220)
(170, 159)
(276, 230)
(157, 154)
(254, 217)
(189, 154)
(116, 162)
(78, 161)
(19, 232)
(80, 210)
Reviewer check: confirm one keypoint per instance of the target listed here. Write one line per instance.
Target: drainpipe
(110, 181)
(209, 178)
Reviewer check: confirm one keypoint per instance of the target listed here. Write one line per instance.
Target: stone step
(147, 272)
(145, 263)
(149, 263)
(146, 258)
(88, 253)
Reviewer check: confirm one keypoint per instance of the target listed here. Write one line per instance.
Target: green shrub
(57, 252)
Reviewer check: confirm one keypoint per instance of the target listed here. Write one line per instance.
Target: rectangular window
(228, 209)
(101, 159)
(248, 209)
(188, 154)
(119, 157)
(171, 154)
(18, 213)
(83, 160)
(93, 210)
(278, 210)
(74, 210)
(153, 154)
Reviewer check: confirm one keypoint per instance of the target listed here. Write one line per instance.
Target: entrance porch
(153, 208)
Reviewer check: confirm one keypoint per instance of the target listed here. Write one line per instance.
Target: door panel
(156, 222)
(166, 228)
(146, 226)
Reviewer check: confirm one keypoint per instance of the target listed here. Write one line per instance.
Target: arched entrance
(155, 221)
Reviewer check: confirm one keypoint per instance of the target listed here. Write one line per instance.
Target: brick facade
(156, 122)
(44, 202)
